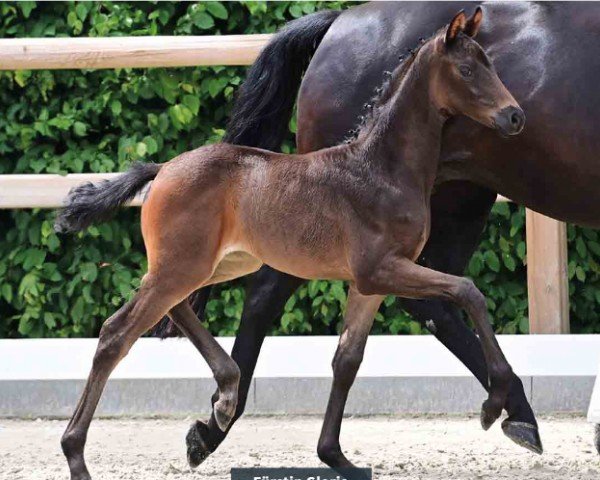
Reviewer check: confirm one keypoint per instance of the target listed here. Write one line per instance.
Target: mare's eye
(465, 71)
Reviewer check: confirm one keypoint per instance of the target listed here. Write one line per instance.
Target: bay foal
(357, 212)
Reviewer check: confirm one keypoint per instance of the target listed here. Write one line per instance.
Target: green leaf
(34, 257)
(151, 144)
(580, 247)
(141, 149)
(492, 260)
(521, 250)
(81, 10)
(524, 325)
(217, 10)
(192, 102)
(7, 293)
(77, 310)
(89, 271)
(509, 262)
(296, 10)
(502, 209)
(49, 320)
(21, 77)
(26, 8)
(25, 325)
(80, 129)
(116, 107)
(594, 247)
(475, 265)
(204, 21)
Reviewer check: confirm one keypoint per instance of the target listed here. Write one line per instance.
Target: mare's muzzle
(510, 120)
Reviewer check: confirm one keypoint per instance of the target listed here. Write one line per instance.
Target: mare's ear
(474, 23)
(457, 25)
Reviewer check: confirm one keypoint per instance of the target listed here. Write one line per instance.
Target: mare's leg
(267, 295)
(358, 321)
(225, 370)
(459, 213)
(407, 279)
(117, 336)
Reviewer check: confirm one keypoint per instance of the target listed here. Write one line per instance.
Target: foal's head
(464, 81)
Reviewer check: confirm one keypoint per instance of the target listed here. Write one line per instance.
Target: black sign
(301, 474)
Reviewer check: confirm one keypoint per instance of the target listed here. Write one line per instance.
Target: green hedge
(100, 121)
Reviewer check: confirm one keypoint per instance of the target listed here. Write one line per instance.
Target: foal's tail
(89, 203)
(265, 102)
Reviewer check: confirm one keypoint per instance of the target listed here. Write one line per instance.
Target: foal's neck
(403, 140)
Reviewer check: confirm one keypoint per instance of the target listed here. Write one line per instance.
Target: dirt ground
(415, 448)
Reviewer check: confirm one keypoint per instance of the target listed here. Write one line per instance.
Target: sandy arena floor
(397, 448)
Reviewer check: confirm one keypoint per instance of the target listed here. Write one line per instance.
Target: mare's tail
(265, 102)
(96, 202)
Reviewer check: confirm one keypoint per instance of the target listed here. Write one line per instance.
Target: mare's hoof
(597, 438)
(524, 434)
(197, 449)
(489, 414)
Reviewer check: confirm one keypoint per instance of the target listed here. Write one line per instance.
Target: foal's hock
(357, 212)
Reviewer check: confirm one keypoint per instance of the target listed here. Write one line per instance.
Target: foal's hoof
(197, 450)
(489, 414)
(597, 438)
(523, 434)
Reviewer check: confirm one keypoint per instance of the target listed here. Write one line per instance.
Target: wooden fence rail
(129, 52)
(546, 238)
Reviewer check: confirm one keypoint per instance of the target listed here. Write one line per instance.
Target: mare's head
(464, 80)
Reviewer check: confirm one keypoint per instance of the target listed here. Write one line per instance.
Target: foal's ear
(457, 25)
(474, 23)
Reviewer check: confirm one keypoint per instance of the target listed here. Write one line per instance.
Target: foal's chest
(407, 224)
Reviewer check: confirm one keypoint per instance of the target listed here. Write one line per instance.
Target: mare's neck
(403, 141)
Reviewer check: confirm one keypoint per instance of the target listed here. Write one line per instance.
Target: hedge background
(100, 121)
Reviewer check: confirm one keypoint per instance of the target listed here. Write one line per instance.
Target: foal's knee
(468, 296)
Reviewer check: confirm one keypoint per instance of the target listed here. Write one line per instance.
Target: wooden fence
(546, 238)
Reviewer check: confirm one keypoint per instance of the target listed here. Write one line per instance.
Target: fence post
(547, 282)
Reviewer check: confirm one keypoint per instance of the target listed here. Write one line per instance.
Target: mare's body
(546, 53)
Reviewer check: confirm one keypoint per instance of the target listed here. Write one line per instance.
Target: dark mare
(358, 212)
(547, 55)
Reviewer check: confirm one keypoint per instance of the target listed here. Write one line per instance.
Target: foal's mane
(373, 108)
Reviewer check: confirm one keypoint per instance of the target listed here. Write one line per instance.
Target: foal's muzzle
(510, 120)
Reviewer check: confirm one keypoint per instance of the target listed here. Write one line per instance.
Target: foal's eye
(465, 71)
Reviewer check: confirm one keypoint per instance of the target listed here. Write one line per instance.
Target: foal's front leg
(402, 277)
(358, 321)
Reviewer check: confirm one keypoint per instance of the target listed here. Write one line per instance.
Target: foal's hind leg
(117, 336)
(358, 321)
(225, 370)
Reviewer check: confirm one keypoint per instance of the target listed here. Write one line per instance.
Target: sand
(396, 447)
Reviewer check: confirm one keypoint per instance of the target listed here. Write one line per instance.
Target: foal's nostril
(515, 119)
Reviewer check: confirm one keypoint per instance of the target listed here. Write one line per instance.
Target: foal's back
(251, 206)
